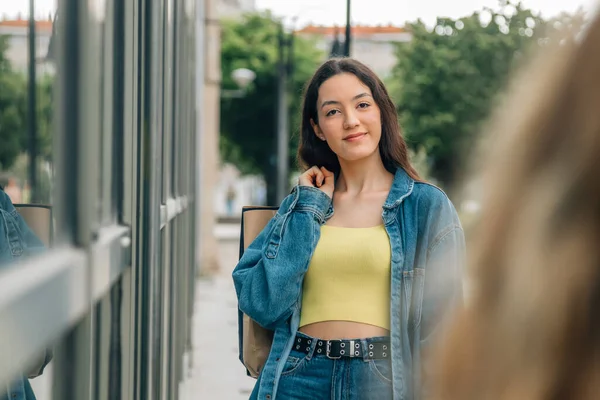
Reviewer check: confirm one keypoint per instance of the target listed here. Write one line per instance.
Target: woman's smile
(355, 137)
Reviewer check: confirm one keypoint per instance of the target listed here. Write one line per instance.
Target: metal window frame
(116, 293)
(86, 139)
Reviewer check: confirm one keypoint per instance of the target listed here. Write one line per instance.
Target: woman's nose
(351, 121)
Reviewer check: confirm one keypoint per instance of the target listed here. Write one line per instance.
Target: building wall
(211, 187)
(209, 136)
(234, 8)
(377, 50)
(200, 115)
(18, 44)
(380, 56)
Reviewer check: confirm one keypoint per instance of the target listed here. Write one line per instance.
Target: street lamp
(31, 105)
(348, 30)
(242, 77)
(338, 48)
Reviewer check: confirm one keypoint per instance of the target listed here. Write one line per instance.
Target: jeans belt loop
(312, 343)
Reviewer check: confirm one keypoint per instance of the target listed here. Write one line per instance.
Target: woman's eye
(363, 105)
(330, 113)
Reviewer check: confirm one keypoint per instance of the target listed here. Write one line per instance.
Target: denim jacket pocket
(414, 283)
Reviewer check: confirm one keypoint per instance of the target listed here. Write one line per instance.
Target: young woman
(362, 258)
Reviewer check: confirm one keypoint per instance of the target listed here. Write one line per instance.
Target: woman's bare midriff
(330, 330)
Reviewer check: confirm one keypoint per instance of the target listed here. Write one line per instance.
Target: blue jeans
(315, 376)
(19, 389)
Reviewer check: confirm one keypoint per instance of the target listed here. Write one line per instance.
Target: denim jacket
(16, 241)
(427, 245)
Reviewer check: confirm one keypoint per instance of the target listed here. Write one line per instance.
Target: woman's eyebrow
(358, 96)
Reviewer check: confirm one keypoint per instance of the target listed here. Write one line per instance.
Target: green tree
(448, 78)
(44, 118)
(248, 124)
(14, 116)
(12, 86)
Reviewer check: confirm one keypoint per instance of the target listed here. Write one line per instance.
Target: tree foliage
(44, 115)
(14, 112)
(447, 79)
(248, 124)
(11, 118)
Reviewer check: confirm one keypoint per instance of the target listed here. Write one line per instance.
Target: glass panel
(107, 108)
(26, 79)
(168, 101)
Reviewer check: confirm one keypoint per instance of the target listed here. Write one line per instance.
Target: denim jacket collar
(403, 186)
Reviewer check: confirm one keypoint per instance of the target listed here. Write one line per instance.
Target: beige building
(233, 8)
(17, 31)
(373, 45)
(209, 114)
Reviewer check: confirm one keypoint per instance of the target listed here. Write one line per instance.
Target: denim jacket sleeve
(442, 294)
(16, 241)
(16, 238)
(269, 275)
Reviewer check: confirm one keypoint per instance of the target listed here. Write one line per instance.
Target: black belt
(336, 349)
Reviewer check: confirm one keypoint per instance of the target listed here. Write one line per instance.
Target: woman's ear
(317, 130)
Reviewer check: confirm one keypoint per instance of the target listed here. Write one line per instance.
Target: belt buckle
(328, 350)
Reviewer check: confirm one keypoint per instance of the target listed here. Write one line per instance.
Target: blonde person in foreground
(532, 329)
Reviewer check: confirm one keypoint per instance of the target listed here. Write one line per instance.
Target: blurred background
(191, 110)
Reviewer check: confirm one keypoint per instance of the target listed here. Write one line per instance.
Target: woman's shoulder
(429, 194)
(434, 207)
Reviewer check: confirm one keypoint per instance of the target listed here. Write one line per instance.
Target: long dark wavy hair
(392, 146)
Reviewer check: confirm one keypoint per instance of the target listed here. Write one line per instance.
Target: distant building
(372, 45)
(213, 188)
(18, 48)
(234, 8)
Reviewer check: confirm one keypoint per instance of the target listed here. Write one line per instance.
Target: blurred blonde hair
(532, 327)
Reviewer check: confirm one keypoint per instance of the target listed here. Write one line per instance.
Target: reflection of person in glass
(13, 191)
(17, 240)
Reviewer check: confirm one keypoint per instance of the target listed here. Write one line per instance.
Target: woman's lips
(355, 137)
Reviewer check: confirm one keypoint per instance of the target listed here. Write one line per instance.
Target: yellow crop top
(348, 278)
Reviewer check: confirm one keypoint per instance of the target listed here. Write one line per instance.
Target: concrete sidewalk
(217, 372)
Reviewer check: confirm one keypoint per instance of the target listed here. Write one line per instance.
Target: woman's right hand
(320, 178)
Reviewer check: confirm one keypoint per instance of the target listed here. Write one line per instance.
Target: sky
(398, 12)
(371, 12)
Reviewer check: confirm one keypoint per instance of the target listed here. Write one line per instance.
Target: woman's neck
(366, 175)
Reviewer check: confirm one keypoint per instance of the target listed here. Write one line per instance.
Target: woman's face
(349, 118)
